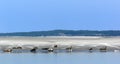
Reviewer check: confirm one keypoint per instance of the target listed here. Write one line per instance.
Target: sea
(61, 58)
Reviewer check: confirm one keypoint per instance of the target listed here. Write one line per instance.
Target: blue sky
(38, 15)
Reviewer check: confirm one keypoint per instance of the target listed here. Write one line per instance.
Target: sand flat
(62, 41)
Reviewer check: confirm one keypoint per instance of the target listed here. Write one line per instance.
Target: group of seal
(51, 49)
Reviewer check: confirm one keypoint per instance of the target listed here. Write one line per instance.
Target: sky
(42, 15)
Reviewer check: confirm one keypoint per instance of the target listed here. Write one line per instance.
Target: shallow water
(60, 58)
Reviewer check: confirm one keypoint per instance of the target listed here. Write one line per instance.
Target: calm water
(60, 58)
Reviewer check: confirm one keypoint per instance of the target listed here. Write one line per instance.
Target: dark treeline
(65, 33)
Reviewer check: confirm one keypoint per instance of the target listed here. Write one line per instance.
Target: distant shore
(65, 33)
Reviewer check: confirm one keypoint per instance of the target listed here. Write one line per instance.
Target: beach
(62, 42)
